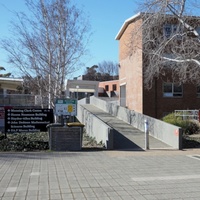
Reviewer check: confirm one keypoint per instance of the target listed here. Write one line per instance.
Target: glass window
(172, 90)
(114, 87)
(177, 90)
(170, 29)
(167, 30)
(198, 30)
(198, 91)
(107, 87)
(168, 87)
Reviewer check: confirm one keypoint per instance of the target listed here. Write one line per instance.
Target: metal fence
(188, 114)
(17, 100)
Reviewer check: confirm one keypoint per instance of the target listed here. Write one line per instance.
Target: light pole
(146, 130)
(77, 87)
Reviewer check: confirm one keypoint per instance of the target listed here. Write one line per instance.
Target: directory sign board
(27, 120)
(66, 107)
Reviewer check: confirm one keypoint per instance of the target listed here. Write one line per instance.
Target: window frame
(114, 87)
(174, 28)
(106, 87)
(198, 30)
(198, 91)
(165, 32)
(173, 93)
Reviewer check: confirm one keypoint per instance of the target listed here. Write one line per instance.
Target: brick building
(109, 88)
(164, 96)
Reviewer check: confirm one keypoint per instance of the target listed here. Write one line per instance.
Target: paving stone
(152, 175)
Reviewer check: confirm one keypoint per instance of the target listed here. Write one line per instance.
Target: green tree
(4, 75)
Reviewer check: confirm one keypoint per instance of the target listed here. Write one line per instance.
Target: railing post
(146, 130)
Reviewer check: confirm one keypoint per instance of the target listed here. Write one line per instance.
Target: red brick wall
(110, 85)
(150, 102)
(156, 105)
(130, 72)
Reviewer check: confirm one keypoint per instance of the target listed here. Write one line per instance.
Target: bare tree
(108, 67)
(47, 44)
(104, 71)
(170, 41)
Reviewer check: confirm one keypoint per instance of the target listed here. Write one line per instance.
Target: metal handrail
(17, 99)
(187, 114)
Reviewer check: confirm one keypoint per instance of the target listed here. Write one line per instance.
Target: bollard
(146, 130)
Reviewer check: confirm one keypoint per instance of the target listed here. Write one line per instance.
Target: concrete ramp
(125, 136)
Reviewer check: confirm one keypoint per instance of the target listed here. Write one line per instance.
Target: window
(170, 29)
(172, 90)
(107, 87)
(198, 91)
(114, 87)
(198, 30)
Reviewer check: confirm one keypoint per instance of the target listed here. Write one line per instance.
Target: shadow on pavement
(123, 143)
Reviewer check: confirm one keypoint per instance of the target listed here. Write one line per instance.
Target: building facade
(109, 88)
(164, 96)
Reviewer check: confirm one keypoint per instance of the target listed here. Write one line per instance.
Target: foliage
(24, 141)
(108, 67)
(38, 141)
(192, 128)
(104, 71)
(4, 75)
(189, 126)
(89, 141)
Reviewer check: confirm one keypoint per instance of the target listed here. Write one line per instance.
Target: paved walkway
(100, 175)
(125, 136)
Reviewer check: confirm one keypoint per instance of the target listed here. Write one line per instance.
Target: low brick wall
(65, 138)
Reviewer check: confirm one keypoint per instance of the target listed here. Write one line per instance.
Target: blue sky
(106, 18)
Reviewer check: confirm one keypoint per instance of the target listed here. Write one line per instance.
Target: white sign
(66, 107)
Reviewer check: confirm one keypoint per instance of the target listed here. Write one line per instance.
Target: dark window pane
(177, 88)
(167, 87)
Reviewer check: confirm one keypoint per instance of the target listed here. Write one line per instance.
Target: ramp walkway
(125, 137)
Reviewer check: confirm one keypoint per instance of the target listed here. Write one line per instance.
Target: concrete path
(125, 135)
(100, 175)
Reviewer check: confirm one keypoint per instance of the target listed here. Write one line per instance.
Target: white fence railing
(188, 114)
(22, 100)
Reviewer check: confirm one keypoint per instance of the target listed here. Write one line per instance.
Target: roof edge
(11, 79)
(126, 23)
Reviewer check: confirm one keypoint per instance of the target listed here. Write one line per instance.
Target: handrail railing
(17, 100)
(188, 114)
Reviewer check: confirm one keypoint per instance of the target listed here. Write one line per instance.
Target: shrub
(192, 128)
(189, 126)
(24, 141)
